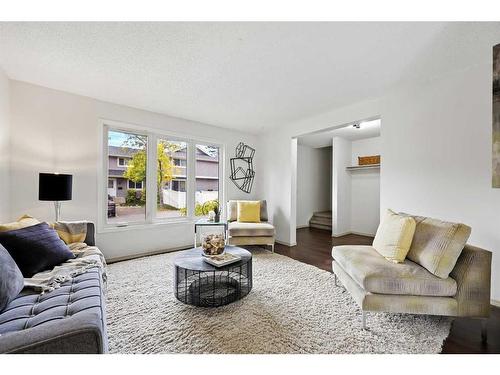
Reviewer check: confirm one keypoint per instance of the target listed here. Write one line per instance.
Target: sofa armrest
(473, 276)
(76, 335)
(90, 239)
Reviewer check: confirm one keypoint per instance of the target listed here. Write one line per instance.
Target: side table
(204, 222)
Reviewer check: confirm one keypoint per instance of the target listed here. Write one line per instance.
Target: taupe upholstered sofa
(249, 233)
(379, 285)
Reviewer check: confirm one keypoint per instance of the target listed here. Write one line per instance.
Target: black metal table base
(206, 286)
(225, 290)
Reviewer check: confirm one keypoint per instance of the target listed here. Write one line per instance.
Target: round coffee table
(200, 284)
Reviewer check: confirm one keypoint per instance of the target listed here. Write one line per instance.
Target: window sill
(157, 224)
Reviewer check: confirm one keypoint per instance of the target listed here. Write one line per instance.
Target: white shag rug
(292, 308)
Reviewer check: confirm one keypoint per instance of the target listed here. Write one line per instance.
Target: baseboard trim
(352, 232)
(147, 254)
(364, 234)
(302, 226)
(289, 244)
(495, 303)
(341, 234)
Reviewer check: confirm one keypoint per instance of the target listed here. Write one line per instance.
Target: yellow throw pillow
(249, 211)
(394, 236)
(23, 222)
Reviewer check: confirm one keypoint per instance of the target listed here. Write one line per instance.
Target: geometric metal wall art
(242, 172)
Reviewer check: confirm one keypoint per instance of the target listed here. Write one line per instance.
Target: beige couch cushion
(375, 274)
(232, 210)
(437, 244)
(237, 229)
(394, 236)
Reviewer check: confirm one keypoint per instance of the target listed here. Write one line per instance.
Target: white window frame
(135, 185)
(124, 160)
(153, 135)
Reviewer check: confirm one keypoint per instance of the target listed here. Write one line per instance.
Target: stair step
(327, 214)
(312, 223)
(321, 220)
(319, 226)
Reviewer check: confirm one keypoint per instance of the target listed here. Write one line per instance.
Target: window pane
(171, 173)
(127, 157)
(207, 179)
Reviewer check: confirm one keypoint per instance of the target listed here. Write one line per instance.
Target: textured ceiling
(246, 76)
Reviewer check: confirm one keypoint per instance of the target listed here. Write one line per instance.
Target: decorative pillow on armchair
(394, 236)
(36, 248)
(11, 279)
(249, 211)
(437, 244)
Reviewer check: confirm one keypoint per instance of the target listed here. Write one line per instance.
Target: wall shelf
(363, 167)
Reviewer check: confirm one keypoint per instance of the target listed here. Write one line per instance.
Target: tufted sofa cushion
(69, 319)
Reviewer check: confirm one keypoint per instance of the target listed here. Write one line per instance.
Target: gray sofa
(70, 319)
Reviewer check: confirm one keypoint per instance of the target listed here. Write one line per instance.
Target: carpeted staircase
(321, 220)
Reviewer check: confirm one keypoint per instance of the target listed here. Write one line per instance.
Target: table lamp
(55, 187)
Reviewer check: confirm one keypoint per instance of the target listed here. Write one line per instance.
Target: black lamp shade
(55, 187)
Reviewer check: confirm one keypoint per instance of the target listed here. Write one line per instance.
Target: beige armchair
(378, 285)
(249, 233)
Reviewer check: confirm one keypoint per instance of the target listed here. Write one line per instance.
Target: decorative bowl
(213, 244)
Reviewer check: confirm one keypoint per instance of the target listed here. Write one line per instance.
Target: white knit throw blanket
(86, 257)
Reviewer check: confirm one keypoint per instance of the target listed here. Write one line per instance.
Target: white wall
(365, 189)
(436, 143)
(314, 166)
(4, 147)
(53, 130)
(341, 183)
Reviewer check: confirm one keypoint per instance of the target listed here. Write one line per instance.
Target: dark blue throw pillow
(35, 249)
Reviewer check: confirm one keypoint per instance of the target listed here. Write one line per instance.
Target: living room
(166, 187)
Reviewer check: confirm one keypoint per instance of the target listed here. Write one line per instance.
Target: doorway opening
(338, 179)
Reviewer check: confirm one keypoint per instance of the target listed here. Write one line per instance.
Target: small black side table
(206, 223)
(200, 284)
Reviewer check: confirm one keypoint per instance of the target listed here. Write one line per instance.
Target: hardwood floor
(314, 247)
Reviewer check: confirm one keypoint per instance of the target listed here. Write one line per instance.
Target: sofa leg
(484, 331)
(272, 248)
(363, 319)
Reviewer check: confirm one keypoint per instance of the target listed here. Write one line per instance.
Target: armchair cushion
(437, 244)
(237, 229)
(375, 274)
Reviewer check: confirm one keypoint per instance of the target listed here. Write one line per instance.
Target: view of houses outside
(127, 157)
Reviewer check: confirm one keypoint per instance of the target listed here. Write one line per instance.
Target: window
(162, 177)
(128, 194)
(179, 185)
(207, 178)
(172, 192)
(122, 162)
(180, 162)
(134, 185)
